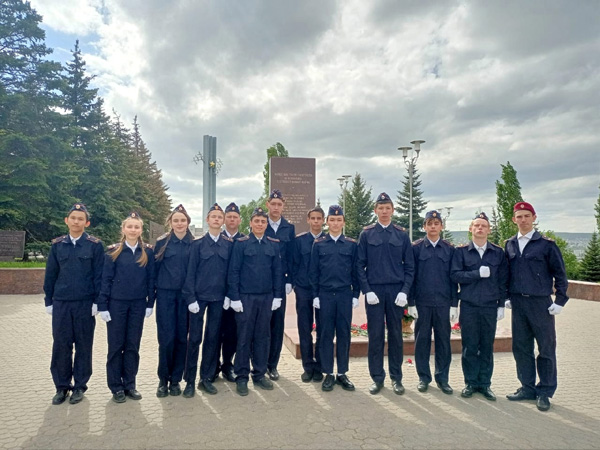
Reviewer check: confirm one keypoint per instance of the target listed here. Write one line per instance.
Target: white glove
(316, 303)
(401, 299)
(276, 304)
(354, 303)
(508, 304)
(372, 298)
(453, 313)
(194, 308)
(554, 309)
(148, 312)
(288, 288)
(500, 314)
(49, 309)
(237, 306)
(412, 311)
(226, 303)
(484, 272)
(105, 315)
(94, 309)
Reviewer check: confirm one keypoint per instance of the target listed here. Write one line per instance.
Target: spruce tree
(418, 207)
(590, 264)
(359, 206)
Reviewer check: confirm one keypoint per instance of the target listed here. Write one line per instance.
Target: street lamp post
(448, 210)
(410, 161)
(343, 180)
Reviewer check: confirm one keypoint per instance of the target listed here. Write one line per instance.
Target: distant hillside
(577, 241)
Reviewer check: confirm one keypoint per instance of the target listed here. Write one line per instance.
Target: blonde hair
(143, 257)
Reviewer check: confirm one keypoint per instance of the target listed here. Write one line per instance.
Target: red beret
(524, 206)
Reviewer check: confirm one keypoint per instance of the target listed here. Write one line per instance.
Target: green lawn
(21, 264)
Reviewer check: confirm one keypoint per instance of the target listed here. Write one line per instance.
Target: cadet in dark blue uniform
(255, 289)
(228, 334)
(72, 285)
(481, 269)
(126, 297)
(536, 266)
(335, 292)
(433, 301)
(204, 291)
(385, 270)
(278, 227)
(172, 253)
(306, 313)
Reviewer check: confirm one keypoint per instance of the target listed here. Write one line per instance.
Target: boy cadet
(72, 284)
(481, 269)
(307, 314)
(228, 335)
(536, 264)
(335, 291)
(385, 271)
(433, 302)
(255, 289)
(278, 227)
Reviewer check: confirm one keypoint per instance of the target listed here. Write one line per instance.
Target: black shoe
(119, 397)
(488, 393)
(328, 383)
(397, 387)
(162, 390)
(345, 382)
(133, 394)
(242, 388)
(306, 377)
(263, 383)
(273, 374)
(76, 396)
(375, 388)
(189, 390)
(229, 375)
(543, 402)
(422, 386)
(207, 387)
(467, 392)
(445, 387)
(520, 395)
(317, 376)
(60, 396)
(174, 389)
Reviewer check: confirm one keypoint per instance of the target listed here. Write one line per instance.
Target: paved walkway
(295, 414)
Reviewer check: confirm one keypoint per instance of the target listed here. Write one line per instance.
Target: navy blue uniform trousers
(254, 333)
(385, 312)
(124, 333)
(336, 318)
(307, 316)
(438, 319)
(478, 330)
(531, 320)
(277, 331)
(227, 341)
(72, 323)
(210, 349)
(172, 329)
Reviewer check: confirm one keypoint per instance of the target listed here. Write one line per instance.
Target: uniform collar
(528, 235)
(133, 249)
(433, 244)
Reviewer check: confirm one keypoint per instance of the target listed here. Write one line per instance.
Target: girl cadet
(204, 291)
(172, 252)
(126, 296)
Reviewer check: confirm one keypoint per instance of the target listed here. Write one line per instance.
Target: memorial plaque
(295, 178)
(156, 231)
(12, 245)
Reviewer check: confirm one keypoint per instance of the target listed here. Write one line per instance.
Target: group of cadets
(227, 291)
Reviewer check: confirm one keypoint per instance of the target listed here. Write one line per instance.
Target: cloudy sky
(350, 81)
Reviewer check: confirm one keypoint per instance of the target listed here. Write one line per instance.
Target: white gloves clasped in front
(484, 272)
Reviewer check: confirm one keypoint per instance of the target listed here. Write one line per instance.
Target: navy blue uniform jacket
(477, 291)
(74, 272)
(206, 279)
(301, 259)
(432, 285)
(255, 268)
(124, 279)
(286, 233)
(539, 268)
(170, 270)
(333, 266)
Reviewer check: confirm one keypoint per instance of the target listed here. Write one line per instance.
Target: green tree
(277, 150)
(418, 206)
(590, 264)
(508, 192)
(597, 215)
(359, 206)
(495, 234)
(571, 262)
